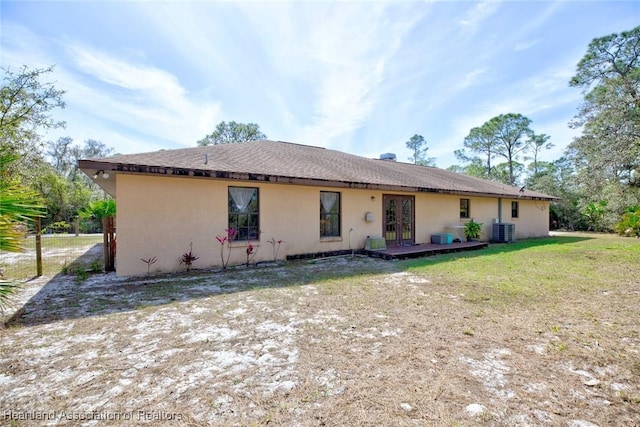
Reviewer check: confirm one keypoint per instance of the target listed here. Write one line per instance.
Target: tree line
(597, 179)
(44, 173)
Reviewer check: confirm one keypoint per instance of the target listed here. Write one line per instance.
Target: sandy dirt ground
(289, 345)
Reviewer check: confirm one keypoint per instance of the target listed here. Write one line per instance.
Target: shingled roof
(284, 162)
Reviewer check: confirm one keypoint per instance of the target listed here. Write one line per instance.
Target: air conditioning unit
(504, 232)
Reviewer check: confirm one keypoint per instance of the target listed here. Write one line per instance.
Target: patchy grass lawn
(541, 332)
(60, 252)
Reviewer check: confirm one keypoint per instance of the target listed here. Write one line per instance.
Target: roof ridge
(293, 143)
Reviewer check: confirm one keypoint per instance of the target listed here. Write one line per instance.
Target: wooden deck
(424, 249)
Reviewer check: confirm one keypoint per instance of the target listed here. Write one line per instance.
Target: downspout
(499, 209)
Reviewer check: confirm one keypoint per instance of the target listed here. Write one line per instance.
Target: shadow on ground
(71, 296)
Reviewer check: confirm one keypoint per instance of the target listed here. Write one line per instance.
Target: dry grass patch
(344, 341)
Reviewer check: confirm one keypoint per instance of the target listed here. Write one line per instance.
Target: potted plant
(473, 230)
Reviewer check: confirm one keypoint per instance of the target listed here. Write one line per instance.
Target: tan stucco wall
(533, 217)
(434, 212)
(159, 216)
(532, 221)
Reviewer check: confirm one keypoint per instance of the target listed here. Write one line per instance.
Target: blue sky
(360, 77)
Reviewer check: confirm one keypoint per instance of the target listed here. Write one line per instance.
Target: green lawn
(537, 269)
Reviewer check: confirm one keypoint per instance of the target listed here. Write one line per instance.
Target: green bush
(99, 209)
(629, 224)
(58, 227)
(90, 225)
(473, 230)
(594, 214)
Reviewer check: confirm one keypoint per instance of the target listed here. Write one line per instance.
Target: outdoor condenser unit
(504, 232)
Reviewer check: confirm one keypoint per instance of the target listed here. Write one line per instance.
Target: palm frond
(7, 288)
(19, 203)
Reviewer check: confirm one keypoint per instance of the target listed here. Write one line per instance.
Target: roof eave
(90, 166)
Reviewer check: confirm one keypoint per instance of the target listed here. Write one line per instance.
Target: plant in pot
(473, 230)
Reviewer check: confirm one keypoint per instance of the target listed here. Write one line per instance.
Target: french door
(399, 221)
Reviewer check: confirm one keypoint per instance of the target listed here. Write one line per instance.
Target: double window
(244, 215)
(329, 214)
(464, 209)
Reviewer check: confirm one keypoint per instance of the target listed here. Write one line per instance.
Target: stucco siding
(292, 213)
(159, 216)
(533, 217)
(434, 212)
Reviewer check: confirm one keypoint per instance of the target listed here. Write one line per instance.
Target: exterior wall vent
(388, 156)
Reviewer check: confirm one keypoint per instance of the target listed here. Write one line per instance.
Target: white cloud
(118, 72)
(20, 46)
(545, 91)
(198, 34)
(116, 95)
(349, 50)
(520, 46)
(146, 99)
(538, 97)
(535, 22)
(470, 79)
(361, 77)
(481, 11)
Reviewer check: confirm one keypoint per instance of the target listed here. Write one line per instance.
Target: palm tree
(18, 204)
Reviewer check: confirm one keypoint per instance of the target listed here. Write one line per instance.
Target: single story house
(314, 200)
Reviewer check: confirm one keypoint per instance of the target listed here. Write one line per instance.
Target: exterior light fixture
(105, 175)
